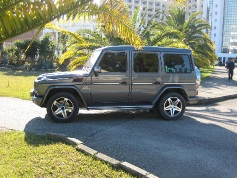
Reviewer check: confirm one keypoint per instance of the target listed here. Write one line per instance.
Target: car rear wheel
(62, 107)
(171, 106)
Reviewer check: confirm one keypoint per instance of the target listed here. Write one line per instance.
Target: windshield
(91, 61)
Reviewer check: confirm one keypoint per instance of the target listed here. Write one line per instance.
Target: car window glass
(114, 62)
(177, 63)
(145, 62)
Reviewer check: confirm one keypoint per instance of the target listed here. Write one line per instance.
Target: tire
(171, 106)
(62, 107)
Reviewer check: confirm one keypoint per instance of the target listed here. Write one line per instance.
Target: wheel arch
(70, 89)
(168, 89)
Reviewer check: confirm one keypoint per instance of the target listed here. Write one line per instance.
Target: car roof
(145, 48)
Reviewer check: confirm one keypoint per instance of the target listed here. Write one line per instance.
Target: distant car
(122, 77)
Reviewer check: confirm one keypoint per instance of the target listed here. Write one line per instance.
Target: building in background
(26, 36)
(221, 15)
(194, 6)
(153, 6)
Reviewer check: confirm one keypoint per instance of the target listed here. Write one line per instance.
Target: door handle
(124, 83)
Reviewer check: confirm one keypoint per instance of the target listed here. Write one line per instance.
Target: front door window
(113, 62)
(111, 84)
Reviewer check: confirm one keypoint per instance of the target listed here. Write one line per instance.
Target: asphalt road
(203, 143)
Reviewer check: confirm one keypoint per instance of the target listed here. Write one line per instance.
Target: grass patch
(29, 155)
(17, 84)
(206, 72)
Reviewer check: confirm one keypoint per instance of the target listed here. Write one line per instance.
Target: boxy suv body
(122, 77)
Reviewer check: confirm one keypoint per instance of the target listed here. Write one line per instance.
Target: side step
(121, 107)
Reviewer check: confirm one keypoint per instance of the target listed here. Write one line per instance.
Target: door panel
(146, 76)
(112, 84)
(110, 88)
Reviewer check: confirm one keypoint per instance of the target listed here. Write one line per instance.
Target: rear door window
(145, 62)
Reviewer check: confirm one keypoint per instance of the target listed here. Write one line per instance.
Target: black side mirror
(97, 70)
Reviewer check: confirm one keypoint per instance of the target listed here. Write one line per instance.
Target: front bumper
(36, 99)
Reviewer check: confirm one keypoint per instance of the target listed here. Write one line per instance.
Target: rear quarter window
(177, 63)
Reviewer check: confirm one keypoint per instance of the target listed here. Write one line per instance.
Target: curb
(132, 169)
(216, 99)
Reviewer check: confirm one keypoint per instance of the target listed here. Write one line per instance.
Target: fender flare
(64, 87)
(163, 89)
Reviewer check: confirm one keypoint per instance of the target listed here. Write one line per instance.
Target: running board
(121, 107)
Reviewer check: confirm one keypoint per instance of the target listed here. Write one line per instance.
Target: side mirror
(97, 70)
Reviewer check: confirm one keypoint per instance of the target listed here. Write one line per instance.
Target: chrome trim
(52, 79)
(142, 83)
(71, 83)
(105, 83)
(179, 83)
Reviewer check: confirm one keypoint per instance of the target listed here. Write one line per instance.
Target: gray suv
(122, 77)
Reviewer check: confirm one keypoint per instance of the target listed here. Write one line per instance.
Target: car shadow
(87, 122)
(181, 148)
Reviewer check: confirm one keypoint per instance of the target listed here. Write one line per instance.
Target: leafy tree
(46, 52)
(13, 54)
(40, 53)
(31, 53)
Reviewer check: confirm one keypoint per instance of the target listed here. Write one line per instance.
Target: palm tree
(144, 28)
(20, 16)
(176, 31)
(79, 46)
(112, 19)
(82, 43)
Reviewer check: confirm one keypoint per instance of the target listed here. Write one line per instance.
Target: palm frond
(113, 17)
(78, 62)
(18, 17)
(67, 32)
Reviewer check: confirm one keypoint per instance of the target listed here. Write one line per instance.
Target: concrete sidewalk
(217, 87)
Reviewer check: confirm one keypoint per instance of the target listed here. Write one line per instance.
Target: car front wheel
(62, 107)
(171, 106)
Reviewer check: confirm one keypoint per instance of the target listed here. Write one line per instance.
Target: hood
(69, 75)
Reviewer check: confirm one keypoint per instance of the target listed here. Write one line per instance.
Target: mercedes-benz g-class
(160, 78)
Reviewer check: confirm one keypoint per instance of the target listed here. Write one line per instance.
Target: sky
(96, 1)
